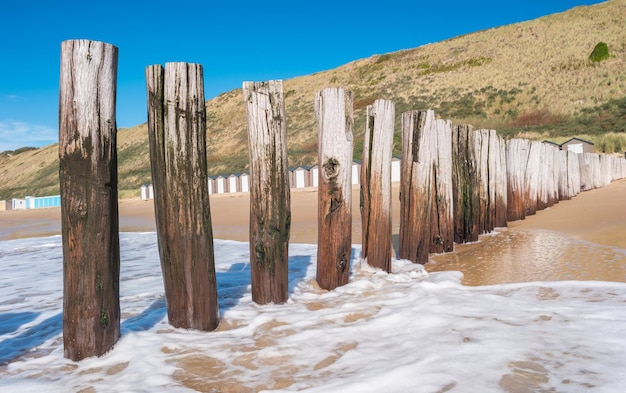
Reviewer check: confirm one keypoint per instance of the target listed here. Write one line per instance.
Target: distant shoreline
(597, 216)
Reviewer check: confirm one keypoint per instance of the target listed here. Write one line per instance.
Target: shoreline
(597, 216)
(579, 239)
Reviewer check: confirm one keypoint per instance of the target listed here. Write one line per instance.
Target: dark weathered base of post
(89, 215)
(177, 132)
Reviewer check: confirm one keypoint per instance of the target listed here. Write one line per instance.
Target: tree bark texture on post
(270, 206)
(465, 185)
(415, 186)
(376, 184)
(177, 136)
(334, 114)
(89, 212)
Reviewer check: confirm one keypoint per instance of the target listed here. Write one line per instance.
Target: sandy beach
(592, 221)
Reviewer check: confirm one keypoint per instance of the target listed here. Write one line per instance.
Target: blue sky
(235, 41)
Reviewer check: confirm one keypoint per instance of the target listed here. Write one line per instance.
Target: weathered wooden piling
(376, 184)
(415, 186)
(502, 182)
(492, 178)
(532, 177)
(516, 161)
(177, 136)
(335, 121)
(89, 214)
(587, 163)
(270, 206)
(573, 174)
(442, 205)
(464, 185)
(547, 193)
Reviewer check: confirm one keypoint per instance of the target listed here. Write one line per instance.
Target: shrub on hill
(600, 52)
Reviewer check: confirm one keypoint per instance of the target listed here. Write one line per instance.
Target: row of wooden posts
(455, 184)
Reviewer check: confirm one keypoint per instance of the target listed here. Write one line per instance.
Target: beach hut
(550, 143)
(302, 177)
(221, 185)
(211, 182)
(395, 169)
(578, 145)
(233, 183)
(356, 172)
(4, 206)
(315, 172)
(44, 202)
(18, 204)
(144, 192)
(244, 182)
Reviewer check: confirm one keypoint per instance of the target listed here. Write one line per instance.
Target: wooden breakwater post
(376, 184)
(532, 178)
(442, 204)
(492, 177)
(415, 186)
(465, 185)
(270, 198)
(89, 213)
(516, 161)
(334, 114)
(426, 193)
(177, 137)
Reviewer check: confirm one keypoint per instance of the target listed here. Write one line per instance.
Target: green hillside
(555, 77)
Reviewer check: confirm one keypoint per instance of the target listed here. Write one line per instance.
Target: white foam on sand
(405, 331)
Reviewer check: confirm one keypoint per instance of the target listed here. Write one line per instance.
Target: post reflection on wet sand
(510, 256)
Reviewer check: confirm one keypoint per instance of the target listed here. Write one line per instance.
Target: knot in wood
(331, 168)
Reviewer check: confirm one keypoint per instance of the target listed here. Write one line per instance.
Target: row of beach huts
(300, 177)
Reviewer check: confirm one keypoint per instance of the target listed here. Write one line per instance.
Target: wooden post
(376, 184)
(491, 169)
(333, 111)
(442, 211)
(499, 172)
(416, 184)
(547, 192)
(464, 185)
(481, 145)
(516, 161)
(560, 162)
(588, 170)
(532, 177)
(89, 214)
(270, 209)
(177, 135)
(573, 174)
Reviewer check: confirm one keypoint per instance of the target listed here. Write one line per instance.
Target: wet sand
(580, 239)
